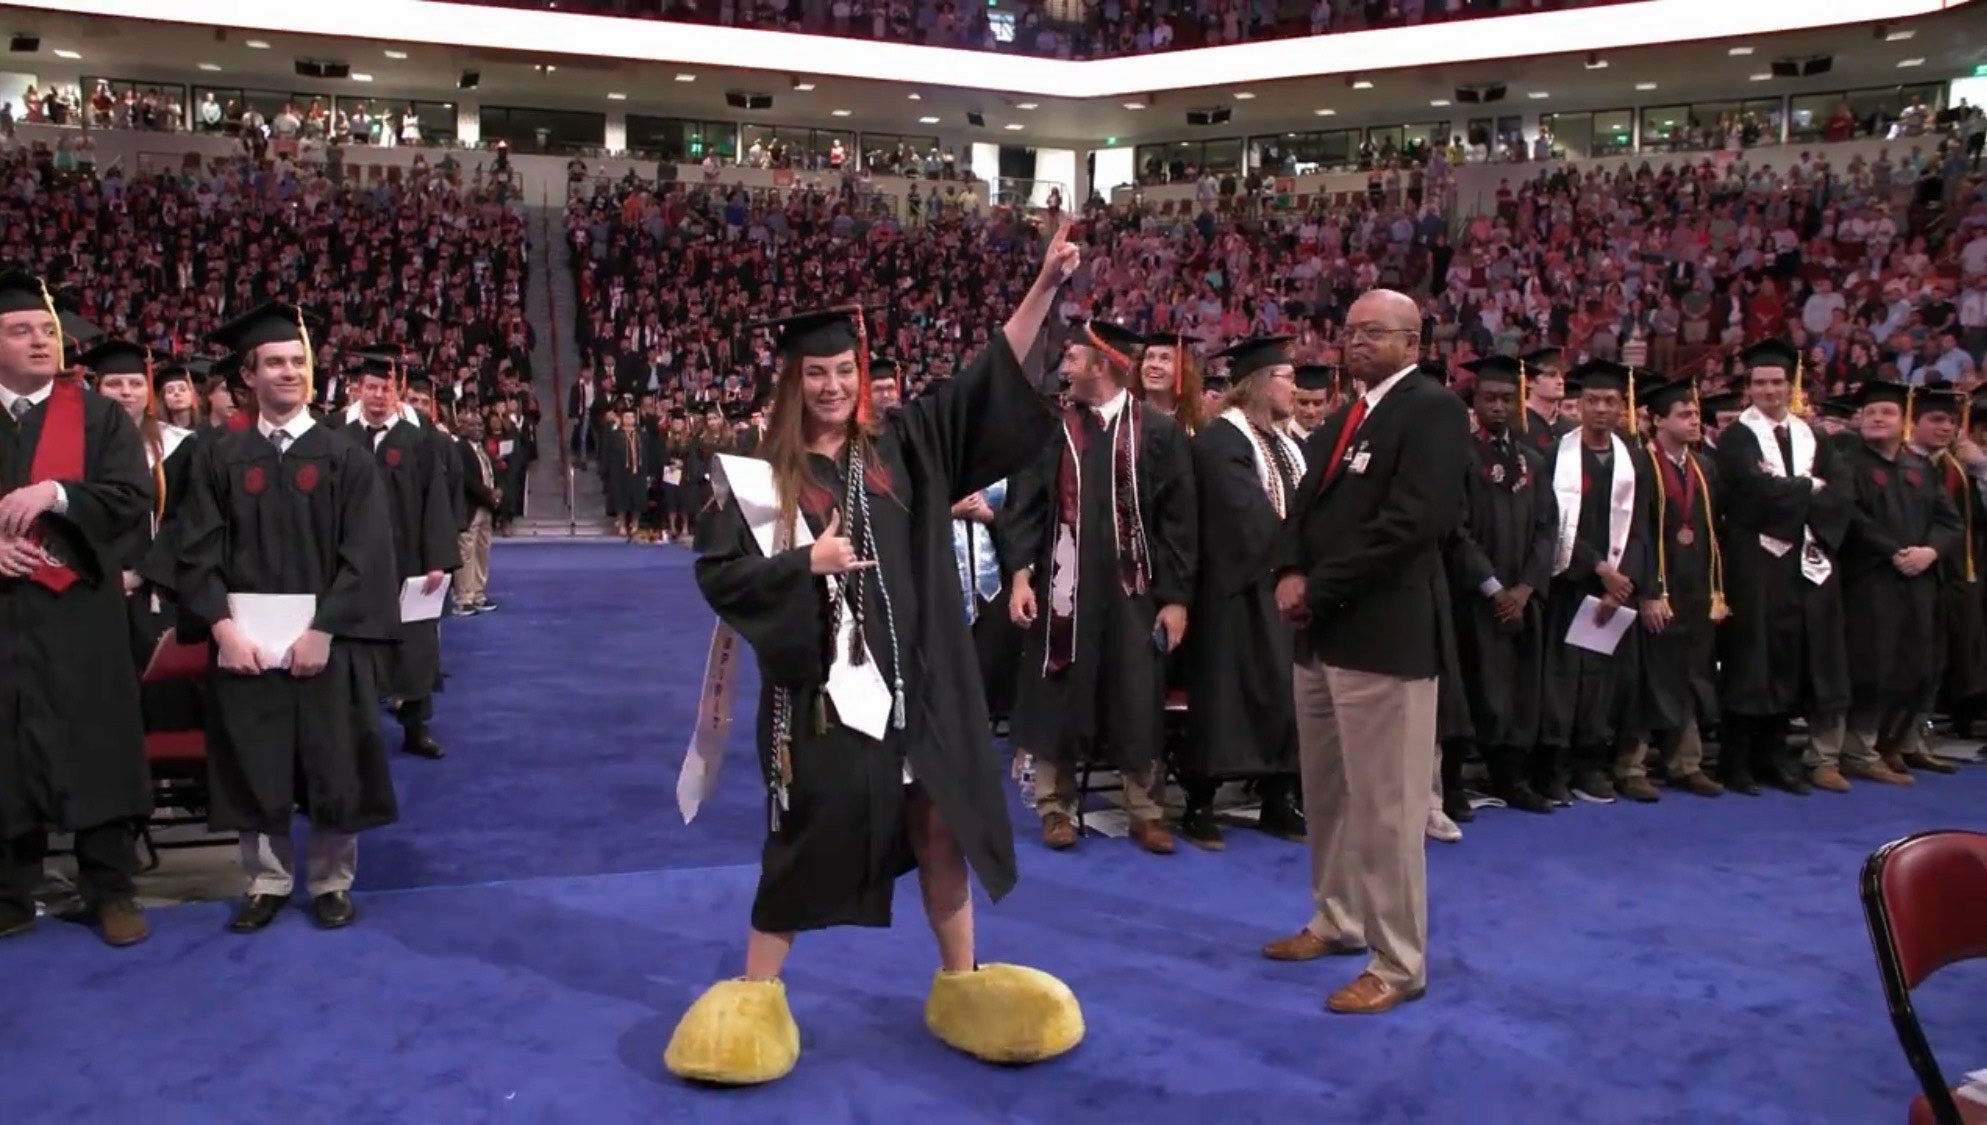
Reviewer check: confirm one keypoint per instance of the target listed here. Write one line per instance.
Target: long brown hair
(785, 449)
(1187, 407)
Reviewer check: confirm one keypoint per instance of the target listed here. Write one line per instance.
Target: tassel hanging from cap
(865, 412)
(1633, 427)
(310, 359)
(1798, 400)
(1524, 401)
(1116, 357)
(1910, 395)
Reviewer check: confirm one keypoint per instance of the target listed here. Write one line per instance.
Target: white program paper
(417, 606)
(272, 622)
(1585, 632)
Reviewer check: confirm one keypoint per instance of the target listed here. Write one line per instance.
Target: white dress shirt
(36, 398)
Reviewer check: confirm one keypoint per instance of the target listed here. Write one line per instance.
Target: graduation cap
(1541, 358)
(1258, 353)
(1172, 339)
(1938, 398)
(1724, 402)
(882, 367)
(177, 373)
(1500, 370)
(738, 414)
(825, 334)
(1783, 355)
(1116, 342)
(276, 322)
(1876, 390)
(1219, 384)
(1605, 375)
(118, 357)
(1662, 395)
(1843, 407)
(1316, 377)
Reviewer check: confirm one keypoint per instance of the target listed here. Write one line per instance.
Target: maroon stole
(58, 456)
(1127, 521)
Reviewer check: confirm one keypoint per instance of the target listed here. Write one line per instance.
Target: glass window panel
(1668, 128)
(1570, 134)
(1417, 138)
(155, 105)
(892, 154)
(545, 130)
(1385, 139)
(1222, 156)
(1614, 132)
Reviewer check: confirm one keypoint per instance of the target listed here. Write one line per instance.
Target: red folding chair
(177, 758)
(1925, 899)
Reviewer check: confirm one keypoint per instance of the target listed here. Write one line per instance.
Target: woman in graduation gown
(125, 375)
(1241, 717)
(871, 724)
(280, 504)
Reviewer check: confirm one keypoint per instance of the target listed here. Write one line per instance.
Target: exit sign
(1980, 70)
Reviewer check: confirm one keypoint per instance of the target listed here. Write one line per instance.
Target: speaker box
(1209, 116)
(469, 80)
(314, 68)
(738, 99)
(1803, 68)
(26, 44)
(976, 119)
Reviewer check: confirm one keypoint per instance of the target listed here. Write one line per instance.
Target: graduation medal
(1685, 537)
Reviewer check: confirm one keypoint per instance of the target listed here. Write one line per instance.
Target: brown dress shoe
(1829, 778)
(1058, 832)
(1699, 783)
(1929, 764)
(1878, 772)
(1368, 995)
(1637, 789)
(122, 923)
(1152, 836)
(1307, 946)
(1894, 762)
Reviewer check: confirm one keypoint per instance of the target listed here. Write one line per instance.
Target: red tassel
(1179, 372)
(865, 414)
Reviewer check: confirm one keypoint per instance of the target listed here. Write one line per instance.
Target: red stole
(58, 456)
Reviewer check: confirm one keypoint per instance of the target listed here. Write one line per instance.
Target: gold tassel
(1910, 395)
(1524, 402)
(310, 361)
(1632, 427)
(1719, 609)
(1798, 402)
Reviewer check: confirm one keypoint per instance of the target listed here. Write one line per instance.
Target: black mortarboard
(1542, 357)
(116, 357)
(882, 367)
(1171, 340)
(1600, 375)
(21, 291)
(1724, 402)
(1843, 407)
(1218, 383)
(277, 322)
(173, 373)
(1662, 395)
(1316, 377)
(1115, 337)
(819, 334)
(739, 413)
(1878, 391)
(386, 363)
(1772, 353)
(1499, 369)
(75, 329)
(1246, 357)
(1936, 398)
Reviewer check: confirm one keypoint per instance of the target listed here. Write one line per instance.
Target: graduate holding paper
(278, 509)
(832, 559)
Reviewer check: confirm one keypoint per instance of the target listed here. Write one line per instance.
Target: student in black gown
(1787, 508)
(1099, 541)
(1602, 493)
(414, 473)
(1241, 720)
(871, 725)
(278, 504)
(124, 374)
(625, 462)
(1313, 401)
(1499, 562)
(1685, 605)
(74, 490)
(1902, 526)
(1541, 387)
(1939, 423)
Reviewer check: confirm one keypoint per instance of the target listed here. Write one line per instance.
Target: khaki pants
(1055, 792)
(1830, 742)
(1366, 746)
(331, 861)
(1682, 754)
(1872, 734)
(474, 577)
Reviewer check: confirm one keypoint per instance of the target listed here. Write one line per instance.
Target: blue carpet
(539, 919)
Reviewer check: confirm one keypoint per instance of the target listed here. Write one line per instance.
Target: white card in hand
(417, 606)
(272, 622)
(1593, 636)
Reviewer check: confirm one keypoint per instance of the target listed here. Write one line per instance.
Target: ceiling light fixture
(1027, 105)
(362, 78)
(1768, 77)
(1439, 103)
(927, 120)
(841, 113)
(682, 77)
(803, 87)
(617, 97)
(1324, 113)
(1134, 105)
(1014, 126)
(1244, 96)
(917, 97)
(1596, 62)
(1899, 35)
(1538, 95)
(1910, 62)
(1645, 85)
(1739, 52)
(255, 44)
(1362, 84)
(67, 55)
(396, 54)
(210, 68)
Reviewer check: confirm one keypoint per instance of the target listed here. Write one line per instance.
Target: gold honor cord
(1718, 606)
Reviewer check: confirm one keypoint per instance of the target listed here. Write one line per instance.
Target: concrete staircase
(560, 504)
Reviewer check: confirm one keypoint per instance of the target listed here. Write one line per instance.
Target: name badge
(1360, 461)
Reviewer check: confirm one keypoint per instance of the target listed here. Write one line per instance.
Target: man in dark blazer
(1359, 566)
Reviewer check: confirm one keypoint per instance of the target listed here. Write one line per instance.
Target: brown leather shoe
(1877, 772)
(1829, 778)
(1152, 836)
(1929, 764)
(1895, 763)
(1368, 995)
(1637, 789)
(1307, 946)
(1698, 783)
(122, 923)
(1058, 832)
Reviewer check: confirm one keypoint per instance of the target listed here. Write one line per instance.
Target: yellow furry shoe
(1004, 1014)
(738, 1033)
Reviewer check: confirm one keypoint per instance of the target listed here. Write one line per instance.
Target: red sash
(58, 456)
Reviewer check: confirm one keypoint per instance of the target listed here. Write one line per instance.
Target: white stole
(1815, 566)
(170, 437)
(862, 700)
(1568, 480)
(1266, 472)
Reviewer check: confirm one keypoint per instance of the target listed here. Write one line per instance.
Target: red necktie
(1352, 420)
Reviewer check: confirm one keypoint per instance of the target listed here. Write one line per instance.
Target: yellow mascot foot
(1004, 1014)
(738, 1033)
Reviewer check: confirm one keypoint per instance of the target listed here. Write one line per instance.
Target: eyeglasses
(1373, 333)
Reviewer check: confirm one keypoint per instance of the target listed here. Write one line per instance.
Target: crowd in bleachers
(1066, 29)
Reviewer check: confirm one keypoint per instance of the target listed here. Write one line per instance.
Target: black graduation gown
(153, 609)
(316, 522)
(624, 460)
(71, 737)
(1679, 665)
(1543, 434)
(1781, 651)
(1891, 628)
(1962, 616)
(1592, 701)
(1508, 534)
(1114, 688)
(416, 485)
(1241, 719)
(839, 845)
(448, 458)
